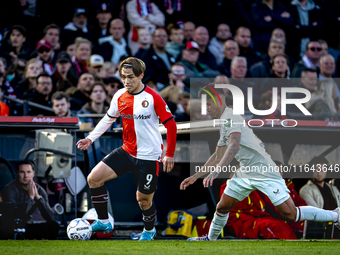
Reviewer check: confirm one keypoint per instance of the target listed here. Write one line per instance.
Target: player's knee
(144, 204)
(289, 215)
(92, 183)
(223, 208)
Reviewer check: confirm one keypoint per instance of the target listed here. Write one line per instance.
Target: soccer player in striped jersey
(141, 110)
(257, 172)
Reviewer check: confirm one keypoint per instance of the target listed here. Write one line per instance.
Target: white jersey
(254, 161)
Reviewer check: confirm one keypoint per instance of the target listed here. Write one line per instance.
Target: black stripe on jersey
(111, 116)
(167, 120)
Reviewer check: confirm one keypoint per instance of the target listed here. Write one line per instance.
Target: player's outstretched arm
(233, 148)
(83, 144)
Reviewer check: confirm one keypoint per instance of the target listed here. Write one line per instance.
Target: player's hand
(208, 181)
(188, 181)
(30, 189)
(168, 164)
(83, 144)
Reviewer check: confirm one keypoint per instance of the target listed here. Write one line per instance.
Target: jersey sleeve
(162, 109)
(230, 126)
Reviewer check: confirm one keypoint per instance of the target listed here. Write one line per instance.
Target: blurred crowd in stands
(64, 54)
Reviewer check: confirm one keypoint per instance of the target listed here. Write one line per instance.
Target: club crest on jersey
(145, 103)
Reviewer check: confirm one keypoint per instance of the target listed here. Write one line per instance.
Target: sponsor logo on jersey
(146, 186)
(145, 103)
(136, 117)
(167, 108)
(123, 103)
(228, 123)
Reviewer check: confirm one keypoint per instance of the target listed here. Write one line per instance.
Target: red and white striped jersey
(140, 112)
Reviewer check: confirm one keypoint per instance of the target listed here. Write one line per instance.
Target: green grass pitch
(169, 247)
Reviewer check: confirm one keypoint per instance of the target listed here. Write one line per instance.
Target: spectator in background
(238, 74)
(176, 11)
(77, 28)
(317, 192)
(70, 49)
(96, 106)
(14, 47)
(61, 104)
(110, 69)
(64, 71)
(177, 76)
(52, 35)
(112, 47)
(330, 16)
(29, 81)
(112, 85)
(230, 51)
(145, 41)
(80, 95)
(327, 84)
(175, 46)
(318, 102)
(309, 60)
(324, 47)
(216, 44)
(194, 68)
(308, 24)
(201, 37)
(279, 35)
(47, 55)
(262, 69)
(188, 31)
(181, 113)
(4, 109)
(267, 103)
(41, 94)
(103, 16)
(268, 15)
(157, 59)
(142, 14)
(279, 75)
(96, 66)
(81, 55)
(243, 38)
(39, 215)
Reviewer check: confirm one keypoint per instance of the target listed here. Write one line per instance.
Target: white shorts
(275, 189)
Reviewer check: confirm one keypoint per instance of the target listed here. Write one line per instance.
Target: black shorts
(145, 172)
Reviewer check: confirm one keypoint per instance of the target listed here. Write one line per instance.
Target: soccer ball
(79, 229)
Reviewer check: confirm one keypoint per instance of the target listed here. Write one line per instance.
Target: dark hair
(173, 27)
(20, 28)
(177, 64)
(43, 74)
(26, 162)
(281, 55)
(311, 70)
(96, 83)
(138, 66)
(201, 92)
(318, 160)
(60, 95)
(54, 26)
(311, 42)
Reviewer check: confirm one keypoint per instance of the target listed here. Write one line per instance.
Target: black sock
(99, 198)
(149, 217)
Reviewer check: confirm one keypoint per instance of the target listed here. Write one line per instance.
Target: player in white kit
(257, 172)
